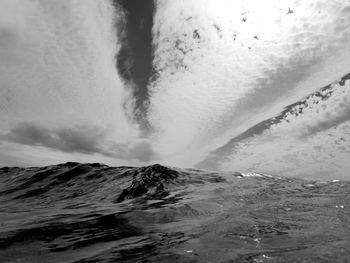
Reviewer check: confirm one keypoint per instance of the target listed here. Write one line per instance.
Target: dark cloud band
(135, 57)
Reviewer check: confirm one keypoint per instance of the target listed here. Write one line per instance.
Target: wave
(76, 212)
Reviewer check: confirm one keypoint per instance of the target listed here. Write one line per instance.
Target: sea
(84, 213)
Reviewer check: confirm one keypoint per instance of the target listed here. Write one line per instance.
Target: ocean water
(76, 212)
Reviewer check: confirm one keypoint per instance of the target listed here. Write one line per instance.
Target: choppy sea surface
(95, 213)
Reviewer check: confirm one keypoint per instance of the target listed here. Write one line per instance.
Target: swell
(97, 213)
(73, 235)
(75, 180)
(83, 205)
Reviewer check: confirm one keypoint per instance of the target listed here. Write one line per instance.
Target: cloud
(134, 60)
(220, 74)
(57, 65)
(311, 138)
(79, 139)
(324, 109)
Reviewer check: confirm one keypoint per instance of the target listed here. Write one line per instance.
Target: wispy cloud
(57, 65)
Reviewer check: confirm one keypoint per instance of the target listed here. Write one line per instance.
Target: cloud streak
(135, 57)
(311, 138)
(326, 108)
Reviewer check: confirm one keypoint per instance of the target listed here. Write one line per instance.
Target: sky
(180, 82)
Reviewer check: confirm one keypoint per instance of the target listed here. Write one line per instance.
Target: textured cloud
(324, 109)
(311, 138)
(224, 66)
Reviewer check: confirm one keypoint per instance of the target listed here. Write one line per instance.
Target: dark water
(94, 213)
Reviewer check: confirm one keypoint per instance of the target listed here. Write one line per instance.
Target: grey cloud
(330, 122)
(79, 139)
